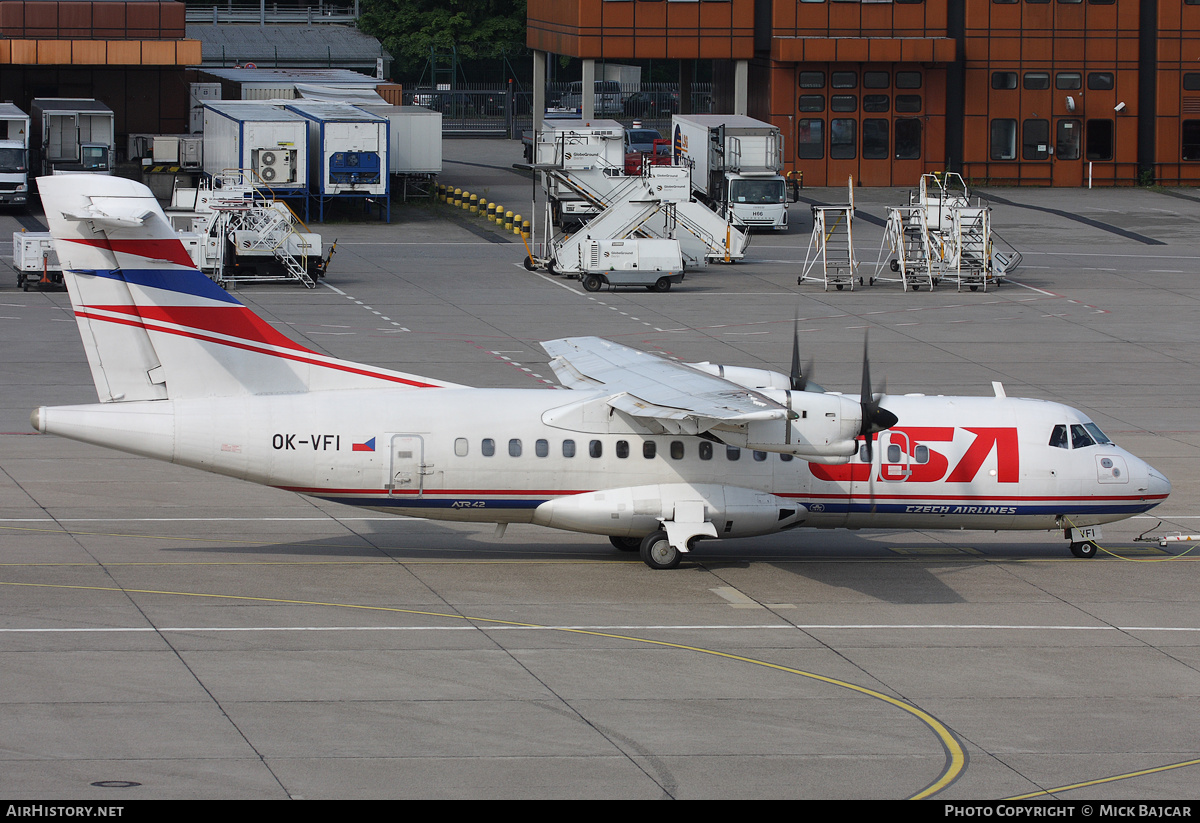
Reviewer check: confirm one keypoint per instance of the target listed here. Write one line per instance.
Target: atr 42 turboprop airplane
(655, 454)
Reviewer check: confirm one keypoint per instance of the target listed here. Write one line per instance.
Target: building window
(1004, 79)
(876, 80)
(812, 79)
(908, 103)
(844, 80)
(1191, 139)
(843, 138)
(812, 102)
(1067, 141)
(876, 102)
(908, 79)
(908, 138)
(1037, 80)
(843, 102)
(1004, 139)
(810, 139)
(875, 139)
(1068, 80)
(1099, 140)
(1036, 144)
(1100, 80)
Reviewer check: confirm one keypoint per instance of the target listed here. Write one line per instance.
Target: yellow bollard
(457, 199)
(525, 229)
(516, 224)
(508, 218)
(491, 212)
(483, 204)
(474, 204)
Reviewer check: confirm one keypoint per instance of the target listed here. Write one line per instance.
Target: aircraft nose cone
(1160, 486)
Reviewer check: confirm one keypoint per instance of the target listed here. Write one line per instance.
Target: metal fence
(489, 110)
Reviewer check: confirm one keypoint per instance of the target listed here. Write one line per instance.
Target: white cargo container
(414, 138)
(74, 135)
(14, 156)
(348, 151)
(735, 163)
(268, 141)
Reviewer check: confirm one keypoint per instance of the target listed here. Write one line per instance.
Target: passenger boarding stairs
(257, 226)
(637, 199)
(574, 168)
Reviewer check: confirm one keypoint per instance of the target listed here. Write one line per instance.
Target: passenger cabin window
(622, 449)
(785, 458)
(460, 447)
(676, 449)
(542, 448)
(514, 448)
(732, 453)
(568, 449)
(759, 457)
(488, 447)
(706, 450)
(595, 448)
(649, 449)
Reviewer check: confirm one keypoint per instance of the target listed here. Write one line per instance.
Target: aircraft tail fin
(154, 326)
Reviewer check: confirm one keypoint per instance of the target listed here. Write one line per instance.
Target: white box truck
(735, 162)
(74, 135)
(14, 156)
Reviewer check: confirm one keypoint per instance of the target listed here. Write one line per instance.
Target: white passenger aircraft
(654, 454)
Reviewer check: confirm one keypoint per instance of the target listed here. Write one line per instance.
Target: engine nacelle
(745, 376)
(636, 511)
(822, 428)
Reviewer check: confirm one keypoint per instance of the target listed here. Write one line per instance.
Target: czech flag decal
(369, 446)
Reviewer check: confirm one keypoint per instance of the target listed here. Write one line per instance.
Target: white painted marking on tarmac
(653, 627)
(735, 598)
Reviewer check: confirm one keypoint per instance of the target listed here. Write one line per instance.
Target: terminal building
(1031, 92)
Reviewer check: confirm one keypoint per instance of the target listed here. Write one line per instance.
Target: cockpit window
(1080, 438)
(1097, 435)
(1058, 437)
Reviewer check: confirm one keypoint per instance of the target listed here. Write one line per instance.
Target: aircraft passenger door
(406, 465)
(894, 458)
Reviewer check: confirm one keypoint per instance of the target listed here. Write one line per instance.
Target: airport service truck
(73, 135)
(14, 156)
(735, 162)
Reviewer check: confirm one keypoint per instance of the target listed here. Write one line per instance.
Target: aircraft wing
(678, 398)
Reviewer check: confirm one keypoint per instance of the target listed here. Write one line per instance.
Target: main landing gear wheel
(592, 282)
(1086, 549)
(626, 544)
(658, 553)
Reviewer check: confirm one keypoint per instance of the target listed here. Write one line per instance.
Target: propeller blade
(874, 417)
(798, 379)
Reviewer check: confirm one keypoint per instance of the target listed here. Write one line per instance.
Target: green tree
(477, 29)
